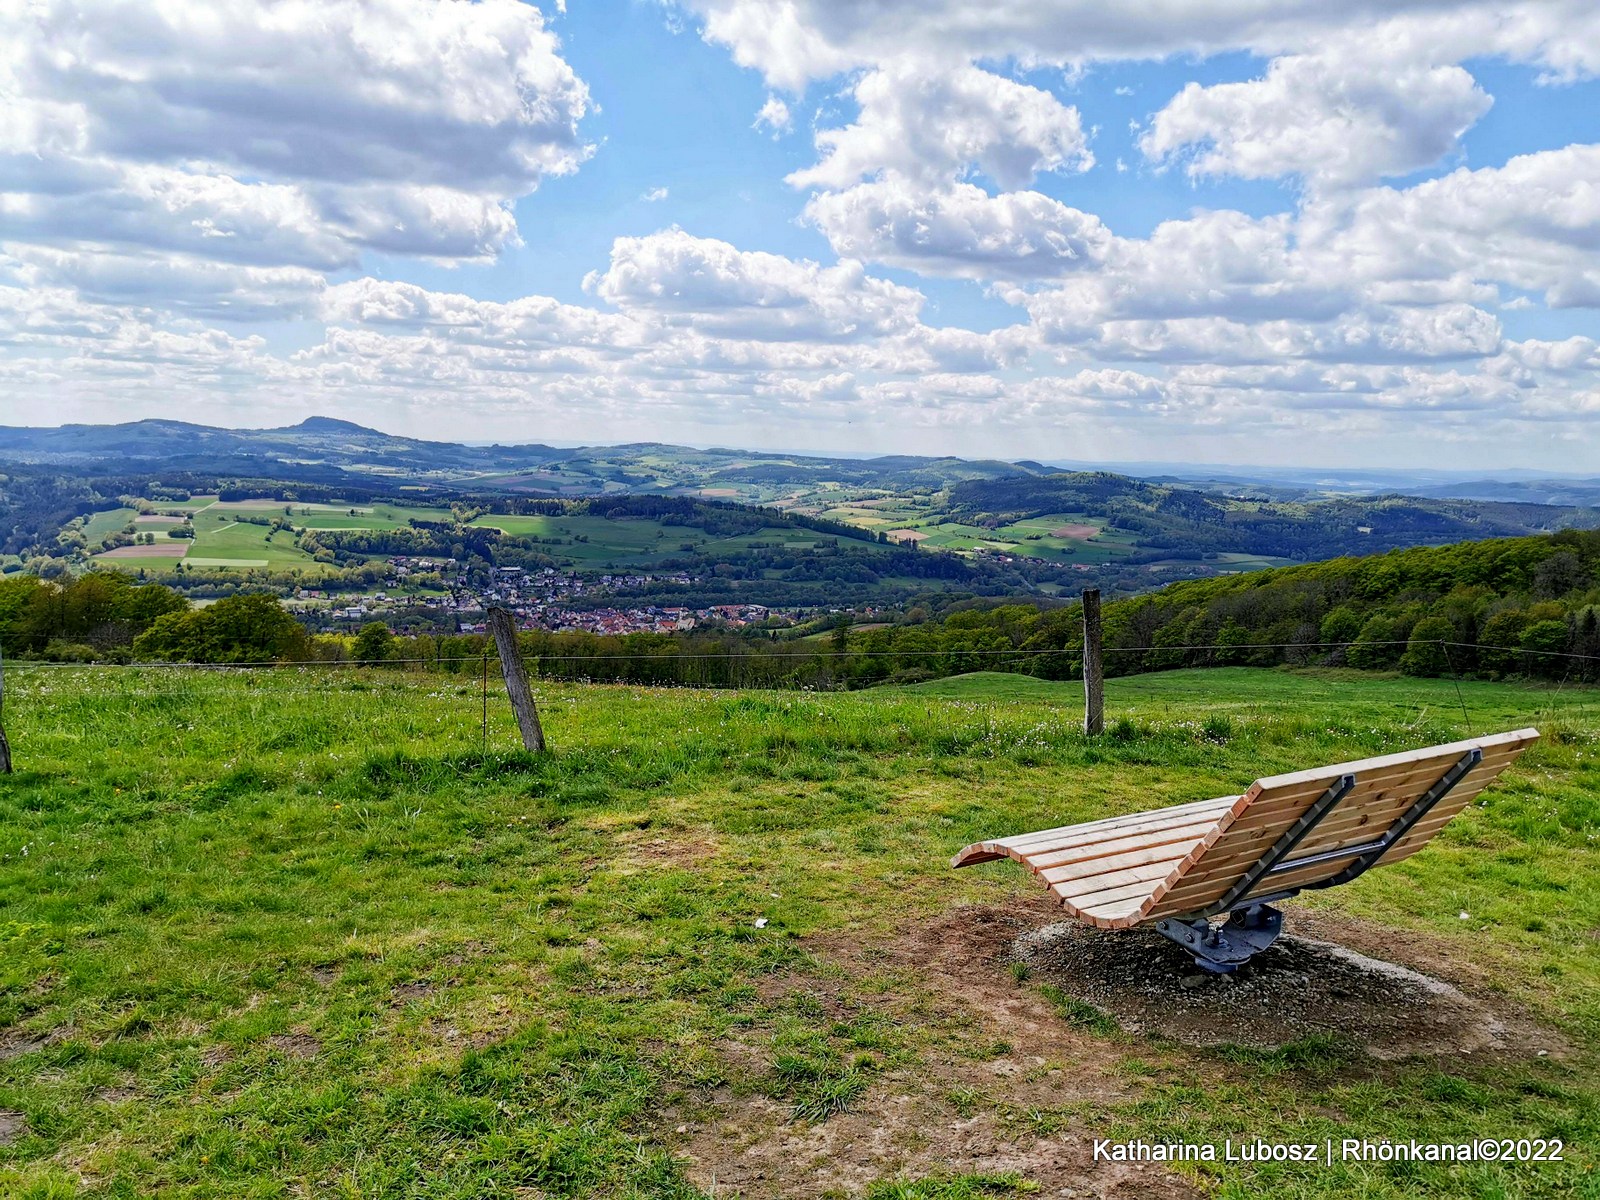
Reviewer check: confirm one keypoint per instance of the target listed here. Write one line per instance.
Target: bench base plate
(1225, 948)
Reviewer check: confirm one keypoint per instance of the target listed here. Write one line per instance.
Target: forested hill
(1186, 523)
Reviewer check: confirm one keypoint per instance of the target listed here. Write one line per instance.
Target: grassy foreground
(294, 933)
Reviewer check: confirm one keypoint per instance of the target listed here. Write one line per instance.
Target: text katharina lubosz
(1331, 1150)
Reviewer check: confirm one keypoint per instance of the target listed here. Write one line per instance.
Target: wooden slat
(1144, 839)
(1115, 910)
(1137, 891)
(1053, 841)
(1124, 870)
(1148, 875)
(1204, 876)
(1269, 805)
(1233, 830)
(1070, 834)
(1372, 766)
(1150, 855)
(1232, 855)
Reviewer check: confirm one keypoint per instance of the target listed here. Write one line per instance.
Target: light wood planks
(1127, 870)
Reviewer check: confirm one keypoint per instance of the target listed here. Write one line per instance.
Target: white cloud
(280, 135)
(1533, 224)
(774, 115)
(728, 292)
(932, 121)
(653, 195)
(959, 230)
(793, 42)
(1343, 116)
(174, 283)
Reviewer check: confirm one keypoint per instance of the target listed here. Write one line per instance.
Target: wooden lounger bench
(1179, 867)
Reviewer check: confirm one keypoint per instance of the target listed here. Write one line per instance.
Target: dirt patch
(953, 1113)
(13, 1126)
(406, 992)
(295, 1045)
(324, 976)
(759, 1152)
(641, 850)
(949, 1113)
(14, 1043)
(1298, 988)
(906, 535)
(1081, 533)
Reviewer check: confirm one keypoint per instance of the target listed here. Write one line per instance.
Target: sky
(1252, 231)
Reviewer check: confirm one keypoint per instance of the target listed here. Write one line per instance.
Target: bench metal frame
(1252, 923)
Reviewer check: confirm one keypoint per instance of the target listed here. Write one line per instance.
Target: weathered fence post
(1094, 700)
(5, 746)
(505, 641)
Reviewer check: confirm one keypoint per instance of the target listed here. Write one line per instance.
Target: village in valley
(538, 599)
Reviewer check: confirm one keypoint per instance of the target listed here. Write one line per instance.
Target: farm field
(303, 932)
(632, 542)
(225, 538)
(1056, 537)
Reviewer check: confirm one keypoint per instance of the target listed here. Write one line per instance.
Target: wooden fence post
(5, 746)
(1094, 700)
(505, 641)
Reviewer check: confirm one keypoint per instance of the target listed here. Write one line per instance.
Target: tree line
(1516, 606)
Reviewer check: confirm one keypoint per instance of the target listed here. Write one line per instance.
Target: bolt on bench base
(1224, 948)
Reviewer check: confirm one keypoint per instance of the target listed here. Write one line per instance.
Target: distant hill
(327, 443)
(1118, 532)
(1184, 522)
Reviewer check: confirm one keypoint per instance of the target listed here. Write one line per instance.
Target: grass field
(223, 540)
(632, 542)
(294, 933)
(1057, 537)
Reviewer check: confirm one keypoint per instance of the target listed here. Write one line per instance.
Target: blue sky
(1023, 229)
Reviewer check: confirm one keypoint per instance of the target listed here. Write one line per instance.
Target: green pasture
(102, 524)
(305, 932)
(632, 541)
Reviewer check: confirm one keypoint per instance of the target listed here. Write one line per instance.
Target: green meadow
(589, 541)
(314, 932)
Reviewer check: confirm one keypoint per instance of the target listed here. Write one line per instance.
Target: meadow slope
(300, 932)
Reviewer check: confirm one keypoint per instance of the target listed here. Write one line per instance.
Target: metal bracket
(1223, 949)
(1273, 859)
(1369, 855)
(1253, 925)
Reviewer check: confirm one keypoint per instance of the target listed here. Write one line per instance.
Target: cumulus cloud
(280, 135)
(959, 230)
(774, 115)
(1338, 117)
(930, 121)
(722, 290)
(793, 42)
(1532, 224)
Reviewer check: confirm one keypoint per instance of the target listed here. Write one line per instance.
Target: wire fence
(468, 679)
(1018, 654)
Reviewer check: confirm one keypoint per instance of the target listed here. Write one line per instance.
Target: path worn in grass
(295, 934)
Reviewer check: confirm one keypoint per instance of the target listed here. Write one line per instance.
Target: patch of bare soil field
(159, 550)
(955, 972)
(906, 535)
(912, 1123)
(1081, 532)
(1298, 988)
